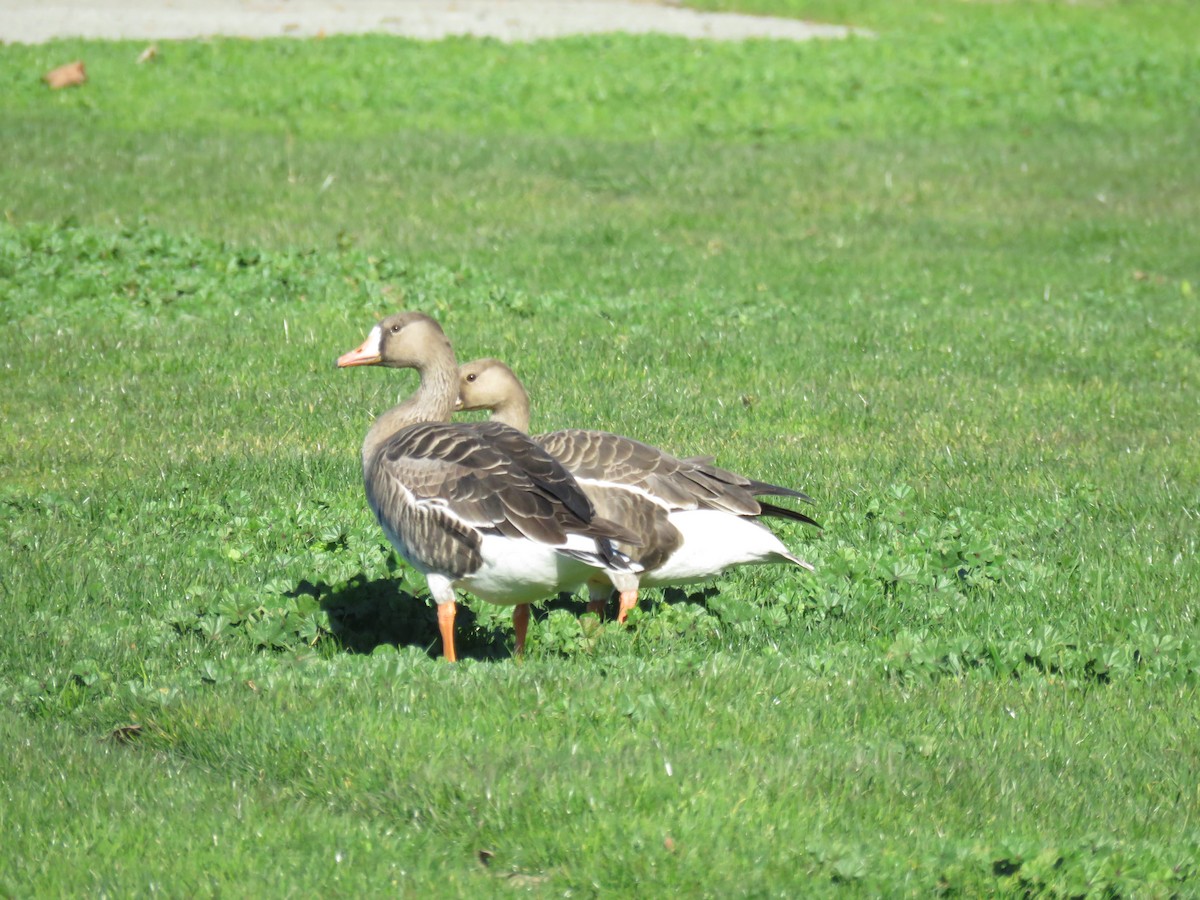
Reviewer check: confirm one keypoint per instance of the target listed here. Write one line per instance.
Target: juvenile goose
(477, 506)
(693, 520)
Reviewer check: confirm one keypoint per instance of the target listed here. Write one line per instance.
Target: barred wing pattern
(438, 487)
(682, 484)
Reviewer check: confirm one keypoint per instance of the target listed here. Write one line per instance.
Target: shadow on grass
(647, 599)
(699, 595)
(367, 613)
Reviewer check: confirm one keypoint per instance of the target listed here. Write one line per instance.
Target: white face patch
(371, 344)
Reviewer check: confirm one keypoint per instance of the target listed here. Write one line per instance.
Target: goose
(693, 519)
(473, 506)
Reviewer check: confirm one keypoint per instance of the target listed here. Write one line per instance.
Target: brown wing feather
(428, 535)
(657, 537)
(543, 469)
(692, 483)
(439, 486)
(757, 488)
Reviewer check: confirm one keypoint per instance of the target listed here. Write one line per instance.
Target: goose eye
(395, 329)
(472, 377)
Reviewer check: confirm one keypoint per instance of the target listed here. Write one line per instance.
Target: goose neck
(433, 401)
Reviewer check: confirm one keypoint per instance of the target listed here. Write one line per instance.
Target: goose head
(490, 384)
(407, 340)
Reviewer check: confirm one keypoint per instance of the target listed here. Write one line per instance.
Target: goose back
(692, 483)
(437, 487)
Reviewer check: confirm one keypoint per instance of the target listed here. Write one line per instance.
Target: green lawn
(943, 279)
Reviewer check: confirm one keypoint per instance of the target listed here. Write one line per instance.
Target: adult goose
(692, 519)
(477, 506)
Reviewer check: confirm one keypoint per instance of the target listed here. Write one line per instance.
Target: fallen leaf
(66, 76)
(148, 54)
(123, 734)
(486, 857)
(517, 879)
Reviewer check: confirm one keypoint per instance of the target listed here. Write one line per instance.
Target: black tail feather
(782, 512)
(766, 489)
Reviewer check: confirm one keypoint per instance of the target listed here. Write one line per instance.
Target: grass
(943, 279)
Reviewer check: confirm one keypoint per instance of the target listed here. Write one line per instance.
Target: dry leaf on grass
(66, 76)
(516, 879)
(148, 54)
(123, 734)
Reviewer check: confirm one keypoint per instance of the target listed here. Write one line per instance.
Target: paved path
(28, 21)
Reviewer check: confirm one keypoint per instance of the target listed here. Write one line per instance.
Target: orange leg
(628, 601)
(446, 613)
(520, 626)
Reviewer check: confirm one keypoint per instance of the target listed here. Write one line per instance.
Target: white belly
(517, 570)
(713, 541)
